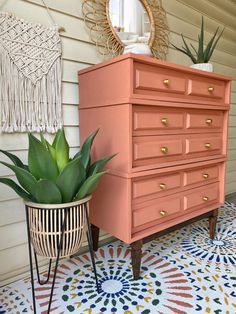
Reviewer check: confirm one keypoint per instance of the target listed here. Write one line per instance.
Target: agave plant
(203, 53)
(51, 176)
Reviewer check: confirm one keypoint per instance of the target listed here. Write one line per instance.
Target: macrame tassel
(29, 107)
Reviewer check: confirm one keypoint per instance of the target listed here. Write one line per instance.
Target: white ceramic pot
(203, 66)
(138, 48)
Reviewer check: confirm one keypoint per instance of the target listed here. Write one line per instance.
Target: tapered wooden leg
(95, 236)
(136, 255)
(212, 223)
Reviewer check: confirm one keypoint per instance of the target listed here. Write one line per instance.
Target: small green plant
(203, 53)
(51, 177)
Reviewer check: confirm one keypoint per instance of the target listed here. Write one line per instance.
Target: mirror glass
(130, 20)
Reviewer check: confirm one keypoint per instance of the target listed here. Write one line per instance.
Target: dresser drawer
(206, 143)
(201, 175)
(206, 119)
(207, 88)
(201, 196)
(151, 119)
(155, 184)
(158, 79)
(156, 211)
(147, 147)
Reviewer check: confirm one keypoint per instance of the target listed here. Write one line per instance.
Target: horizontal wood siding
(184, 16)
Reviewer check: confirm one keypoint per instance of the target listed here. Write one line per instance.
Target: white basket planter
(52, 224)
(203, 66)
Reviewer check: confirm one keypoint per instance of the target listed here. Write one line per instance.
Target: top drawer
(160, 83)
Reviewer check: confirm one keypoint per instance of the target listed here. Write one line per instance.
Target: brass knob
(164, 150)
(163, 213)
(205, 175)
(208, 145)
(210, 89)
(164, 121)
(162, 186)
(166, 82)
(205, 198)
(209, 121)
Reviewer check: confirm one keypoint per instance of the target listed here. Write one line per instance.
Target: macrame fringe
(29, 107)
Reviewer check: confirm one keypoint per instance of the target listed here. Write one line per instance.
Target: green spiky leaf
(62, 150)
(23, 194)
(99, 165)
(70, 179)
(85, 150)
(214, 45)
(89, 186)
(47, 192)
(25, 178)
(41, 163)
(14, 159)
(200, 54)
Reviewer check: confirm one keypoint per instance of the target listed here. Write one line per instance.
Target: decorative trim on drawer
(155, 184)
(201, 196)
(206, 88)
(156, 210)
(152, 147)
(201, 175)
(207, 144)
(161, 80)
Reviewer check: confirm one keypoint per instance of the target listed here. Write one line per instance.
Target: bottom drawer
(156, 210)
(201, 196)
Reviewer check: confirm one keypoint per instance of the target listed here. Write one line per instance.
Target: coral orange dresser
(168, 124)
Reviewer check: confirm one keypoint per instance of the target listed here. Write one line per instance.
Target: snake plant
(51, 176)
(203, 53)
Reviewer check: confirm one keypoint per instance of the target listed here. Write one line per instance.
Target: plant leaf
(70, 179)
(41, 163)
(47, 192)
(89, 185)
(99, 165)
(85, 150)
(62, 150)
(189, 53)
(52, 151)
(200, 54)
(214, 45)
(23, 194)
(25, 178)
(14, 159)
(56, 138)
(43, 140)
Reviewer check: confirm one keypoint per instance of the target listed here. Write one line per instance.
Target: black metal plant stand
(59, 248)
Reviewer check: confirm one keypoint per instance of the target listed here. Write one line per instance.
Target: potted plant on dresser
(201, 56)
(56, 190)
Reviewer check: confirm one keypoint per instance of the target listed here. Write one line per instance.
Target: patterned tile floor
(183, 272)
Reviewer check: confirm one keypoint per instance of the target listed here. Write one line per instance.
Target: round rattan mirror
(101, 17)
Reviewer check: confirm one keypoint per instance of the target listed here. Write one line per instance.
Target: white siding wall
(183, 16)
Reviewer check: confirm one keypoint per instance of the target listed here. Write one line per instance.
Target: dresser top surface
(153, 61)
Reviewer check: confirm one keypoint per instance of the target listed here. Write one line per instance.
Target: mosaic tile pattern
(183, 272)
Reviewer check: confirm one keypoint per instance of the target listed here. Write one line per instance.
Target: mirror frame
(97, 18)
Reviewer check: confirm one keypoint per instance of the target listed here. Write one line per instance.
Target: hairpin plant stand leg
(90, 243)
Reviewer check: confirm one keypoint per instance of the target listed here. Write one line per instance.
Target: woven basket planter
(51, 223)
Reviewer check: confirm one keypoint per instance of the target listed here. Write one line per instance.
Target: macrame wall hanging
(30, 76)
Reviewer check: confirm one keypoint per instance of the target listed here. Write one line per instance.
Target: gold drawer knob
(205, 198)
(209, 121)
(162, 186)
(208, 145)
(163, 213)
(210, 89)
(164, 121)
(166, 82)
(205, 175)
(164, 150)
